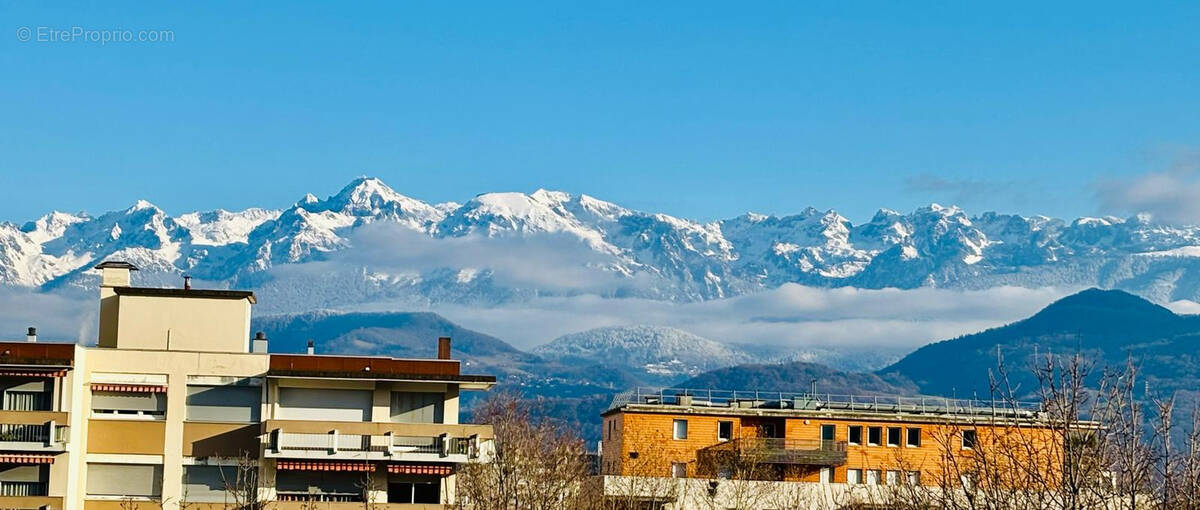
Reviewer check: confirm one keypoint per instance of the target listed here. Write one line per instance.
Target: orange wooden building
(872, 440)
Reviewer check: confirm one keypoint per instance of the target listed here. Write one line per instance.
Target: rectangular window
(874, 436)
(893, 436)
(914, 437)
(854, 434)
(414, 490)
(678, 470)
(23, 394)
(892, 478)
(854, 476)
(827, 432)
(130, 404)
(330, 485)
(724, 430)
(826, 475)
(239, 404)
(914, 477)
(408, 407)
(135, 480)
(324, 404)
(211, 484)
(873, 476)
(679, 429)
(969, 439)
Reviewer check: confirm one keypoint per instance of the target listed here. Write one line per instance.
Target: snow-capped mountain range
(368, 242)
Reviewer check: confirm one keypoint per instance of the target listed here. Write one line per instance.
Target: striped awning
(420, 469)
(32, 373)
(323, 465)
(129, 388)
(26, 459)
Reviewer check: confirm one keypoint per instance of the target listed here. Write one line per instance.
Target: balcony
(33, 431)
(769, 450)
(365, 441)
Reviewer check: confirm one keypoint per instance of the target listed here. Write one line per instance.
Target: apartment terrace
(734, 401)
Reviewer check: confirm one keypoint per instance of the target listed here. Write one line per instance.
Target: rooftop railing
(755, 399)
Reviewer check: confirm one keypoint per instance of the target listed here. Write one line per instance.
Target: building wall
(188, 324)
(649, 435)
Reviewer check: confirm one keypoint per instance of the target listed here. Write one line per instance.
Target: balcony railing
(22, 488)
(334, 445)
(823, 401)
(770, 450)
(29, 431)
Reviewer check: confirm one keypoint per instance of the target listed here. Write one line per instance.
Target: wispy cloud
(59, 317)
(1170, 196)
(962, 191)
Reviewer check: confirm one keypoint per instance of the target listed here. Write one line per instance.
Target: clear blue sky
(698, 109)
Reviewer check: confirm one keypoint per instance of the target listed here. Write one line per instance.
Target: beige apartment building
(178, 406)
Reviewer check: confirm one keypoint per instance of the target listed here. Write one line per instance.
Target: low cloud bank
(792, 315)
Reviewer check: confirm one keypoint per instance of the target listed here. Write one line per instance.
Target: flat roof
(370, 367)
(185, 293)
(37, 353)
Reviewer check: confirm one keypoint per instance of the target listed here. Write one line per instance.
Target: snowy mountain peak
(52, 226)
(141, 205)
(659, 350)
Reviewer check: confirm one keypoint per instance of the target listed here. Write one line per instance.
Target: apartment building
(820, 439)
(177, 405)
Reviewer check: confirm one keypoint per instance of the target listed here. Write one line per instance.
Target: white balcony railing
(334, 445)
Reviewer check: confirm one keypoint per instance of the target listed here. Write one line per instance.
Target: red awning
(420, 469)
(321, 465)
(26, 459)
(129, 388)
(33, 373)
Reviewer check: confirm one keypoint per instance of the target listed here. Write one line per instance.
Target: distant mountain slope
(661, 354)
(368, 242)
(1108, 326)
(798, 377)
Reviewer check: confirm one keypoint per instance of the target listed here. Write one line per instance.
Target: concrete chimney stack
(443, 347)
(259, 344)
(115, 273)
(310, 346)
(31, 336)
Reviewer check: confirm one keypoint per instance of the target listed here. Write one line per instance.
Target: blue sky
(703, 110)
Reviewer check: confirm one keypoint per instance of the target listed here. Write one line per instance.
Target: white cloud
(58, 317)
(1169, 196)
(792, 315)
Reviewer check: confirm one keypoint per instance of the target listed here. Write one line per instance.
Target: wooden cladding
(35, 353)
(303, 365)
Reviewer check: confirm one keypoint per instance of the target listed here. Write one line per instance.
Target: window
(331, 485)
(827, 432)
(892, 478)
(679, 429)
(893, 436)
(873, 476)
(136, 480)
(854, 476)
(130, 404)
(408, 407)
(854, 434)
(874, 435)
(24, 480)
(967, 482)
(826, 475)
(969, 439)
(914, 437)
(414, 490)
(678, 470)
(724, 430)
(209, 484)
(23, 394)
(914, 477)
(224, 403)
(324, 404)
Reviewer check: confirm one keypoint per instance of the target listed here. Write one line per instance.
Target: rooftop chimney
(259, 345)
(187, 283)
(443, 347)
(310, 346)
(115, 273)
(31, 336)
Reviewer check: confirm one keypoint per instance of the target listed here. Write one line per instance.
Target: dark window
(874, 435)
(724, 430)
(914, 437)
(969, 439)
(827, 432)
(414, 492)
(855, 434)
(893, 438)
(633, 455)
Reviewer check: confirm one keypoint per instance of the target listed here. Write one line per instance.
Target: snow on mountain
(658, 256)
(655, 350)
